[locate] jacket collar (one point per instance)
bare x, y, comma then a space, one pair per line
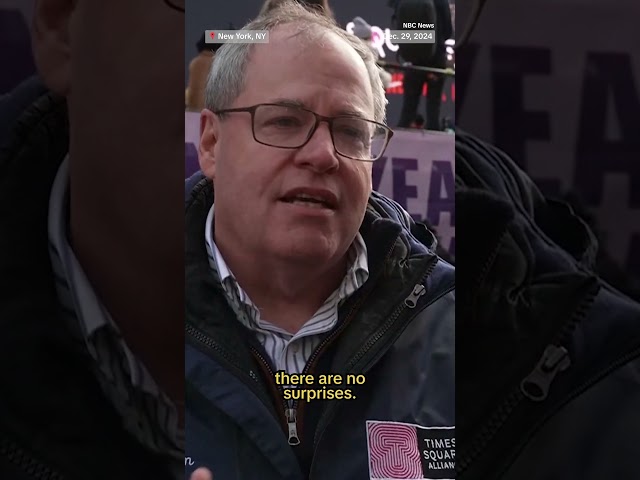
29, 161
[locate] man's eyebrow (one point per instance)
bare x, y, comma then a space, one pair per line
290, 102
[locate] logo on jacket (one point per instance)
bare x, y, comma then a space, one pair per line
407, 451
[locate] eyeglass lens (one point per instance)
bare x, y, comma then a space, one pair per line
283, 126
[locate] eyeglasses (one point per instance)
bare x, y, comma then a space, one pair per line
292, 127
176, 4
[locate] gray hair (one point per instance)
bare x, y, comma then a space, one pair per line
227, 75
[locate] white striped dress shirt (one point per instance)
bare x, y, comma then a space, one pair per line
147, 412
288, 352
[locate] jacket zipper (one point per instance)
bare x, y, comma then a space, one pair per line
292, 419
278, 392
26, 463
535, 386
210, 344
411, 301
289, 417
624, 359
293, 416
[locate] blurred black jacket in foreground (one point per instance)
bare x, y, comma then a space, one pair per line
548, 354
55, 421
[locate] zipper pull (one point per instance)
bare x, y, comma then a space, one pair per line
555, 359
290, 413
412, 300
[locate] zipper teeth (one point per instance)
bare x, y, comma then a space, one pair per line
279, 388
581, 312
348, 317
363, 350
588, 384
316, 353
310, 363
207, 342
500, 416
320, 348
312, 358
392, 319
26, 463
489, 430
204, 339
606, 371
490, 259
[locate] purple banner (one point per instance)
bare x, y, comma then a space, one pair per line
564, 104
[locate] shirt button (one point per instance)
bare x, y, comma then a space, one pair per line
294, 348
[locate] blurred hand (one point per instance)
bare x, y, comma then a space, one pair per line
201, 474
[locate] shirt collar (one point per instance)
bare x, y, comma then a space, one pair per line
73, 286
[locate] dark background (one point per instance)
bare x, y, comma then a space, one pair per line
15, 43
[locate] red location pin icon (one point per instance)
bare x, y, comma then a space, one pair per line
212, 35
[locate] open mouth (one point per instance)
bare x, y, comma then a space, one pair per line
308, 201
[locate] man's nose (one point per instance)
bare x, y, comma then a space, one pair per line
319, 153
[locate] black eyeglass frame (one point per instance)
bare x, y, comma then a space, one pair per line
319, 119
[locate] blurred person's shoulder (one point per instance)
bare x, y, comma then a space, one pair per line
50, 391
14, 103
578, 340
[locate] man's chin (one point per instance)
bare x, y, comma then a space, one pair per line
311, 248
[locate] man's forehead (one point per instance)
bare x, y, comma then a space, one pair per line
297, 39
294, 33
344, 108
295, 49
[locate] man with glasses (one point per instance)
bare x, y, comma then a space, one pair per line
293, 264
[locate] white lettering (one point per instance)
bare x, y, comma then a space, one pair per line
438, 443
441, 465
439, 454
188, 461
261, 36
391, 46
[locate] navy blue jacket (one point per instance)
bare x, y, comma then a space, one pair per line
397, 330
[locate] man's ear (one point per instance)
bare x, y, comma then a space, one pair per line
209, 132
52, 43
